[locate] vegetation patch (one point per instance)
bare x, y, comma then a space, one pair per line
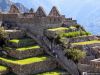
72, 27
75, 54
75, 34
24, 61
57, 29
50, 73
86, 42
28, 48
23, 48
20, 40
3, 68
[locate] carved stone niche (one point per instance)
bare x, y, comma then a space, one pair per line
14, 9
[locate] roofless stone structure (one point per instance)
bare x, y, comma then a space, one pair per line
54, 12
38, 44
14, 9
40, 12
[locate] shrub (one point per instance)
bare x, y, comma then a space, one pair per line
3, 34
75, 54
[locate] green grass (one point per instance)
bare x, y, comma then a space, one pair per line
24, 61
50, 73
23, 48
3, 68
75, 34
72, 27
57, 29
86, 42
20, 40
28, 48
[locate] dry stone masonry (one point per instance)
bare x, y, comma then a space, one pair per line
24, 55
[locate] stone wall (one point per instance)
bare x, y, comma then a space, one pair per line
34, 23
15, 34
87, 48
32, 68
83, 38
24, 54
22, 43
37, 25
3, 72
86, 60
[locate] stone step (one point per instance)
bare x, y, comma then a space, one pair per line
29, 66
54, 32
15, 34
54, 72
3, 70
24, 52
16, 43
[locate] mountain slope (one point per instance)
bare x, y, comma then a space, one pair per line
5, 6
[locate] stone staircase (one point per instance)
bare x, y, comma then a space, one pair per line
25, 57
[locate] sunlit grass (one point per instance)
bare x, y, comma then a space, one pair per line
75, 34
28, 48
23, 48
20, 40
57, 29
50, 73
3, 68
25, 61
86, 42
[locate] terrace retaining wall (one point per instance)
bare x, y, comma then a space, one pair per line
32, 68
25, 54
83, 38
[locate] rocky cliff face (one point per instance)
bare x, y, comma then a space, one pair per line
5, 6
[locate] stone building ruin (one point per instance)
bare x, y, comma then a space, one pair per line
31, 47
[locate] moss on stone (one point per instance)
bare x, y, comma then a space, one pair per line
86, 42
3, 68
24, 61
